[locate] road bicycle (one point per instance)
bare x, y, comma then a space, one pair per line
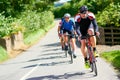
69, 51
90, 54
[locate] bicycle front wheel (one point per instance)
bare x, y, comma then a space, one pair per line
93, 67
70, 53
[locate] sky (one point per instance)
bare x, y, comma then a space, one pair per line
62, 1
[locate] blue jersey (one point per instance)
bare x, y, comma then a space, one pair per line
68, 25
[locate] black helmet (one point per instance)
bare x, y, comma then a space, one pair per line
83, 9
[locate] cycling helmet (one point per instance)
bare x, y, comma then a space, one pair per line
83, 9
67, 15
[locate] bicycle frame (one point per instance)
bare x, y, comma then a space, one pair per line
90, 50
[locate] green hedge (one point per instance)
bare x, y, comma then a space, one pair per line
110, 16
5, 25
33, 24
8, 26
32, 21
28, 21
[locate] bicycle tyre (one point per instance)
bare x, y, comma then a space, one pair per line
92, 61
94, 68
66, 52
71, 54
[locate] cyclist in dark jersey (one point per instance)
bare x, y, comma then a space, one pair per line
86, 24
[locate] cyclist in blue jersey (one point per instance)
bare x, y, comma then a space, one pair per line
68, 26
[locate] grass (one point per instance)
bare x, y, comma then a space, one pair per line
3, 54
35, 36
113, 57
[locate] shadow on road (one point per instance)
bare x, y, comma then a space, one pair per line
52, 45
49, 64
66, 76
46, 58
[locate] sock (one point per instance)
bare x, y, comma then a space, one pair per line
94, 48
85, 58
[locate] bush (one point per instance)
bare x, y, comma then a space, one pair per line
110, 16
9, 25
32, 21
5, 26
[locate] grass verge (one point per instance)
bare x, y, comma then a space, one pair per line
3, 54
35, 36
113, 57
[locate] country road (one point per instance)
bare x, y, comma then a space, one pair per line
46, 61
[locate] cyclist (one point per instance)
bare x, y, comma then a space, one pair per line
86, 24
68, 26
60, 35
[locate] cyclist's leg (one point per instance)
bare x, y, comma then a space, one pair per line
93, 38
72, 39
65, 39
84, 52
83, 48
62, 42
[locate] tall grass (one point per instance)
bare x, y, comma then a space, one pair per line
113, 57
3, 54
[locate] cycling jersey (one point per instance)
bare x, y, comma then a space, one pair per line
82, 25
67, 25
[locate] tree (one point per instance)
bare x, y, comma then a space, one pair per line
14, 7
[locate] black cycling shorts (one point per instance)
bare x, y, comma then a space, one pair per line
71, 33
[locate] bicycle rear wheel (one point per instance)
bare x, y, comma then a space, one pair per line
66, 52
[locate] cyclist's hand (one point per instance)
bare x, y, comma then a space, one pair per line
75, 32
59, 34
97, 34
79, 37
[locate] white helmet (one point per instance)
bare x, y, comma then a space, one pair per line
67, 15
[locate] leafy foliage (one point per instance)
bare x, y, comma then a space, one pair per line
5, 28
34, 21
14, 7
110, 16
107, 14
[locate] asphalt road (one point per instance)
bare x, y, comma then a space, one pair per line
46, 61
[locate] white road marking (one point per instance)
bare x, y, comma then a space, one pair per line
27, 74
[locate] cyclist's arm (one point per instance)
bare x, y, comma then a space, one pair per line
77, 20
78, 28
92, 18
95, 25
